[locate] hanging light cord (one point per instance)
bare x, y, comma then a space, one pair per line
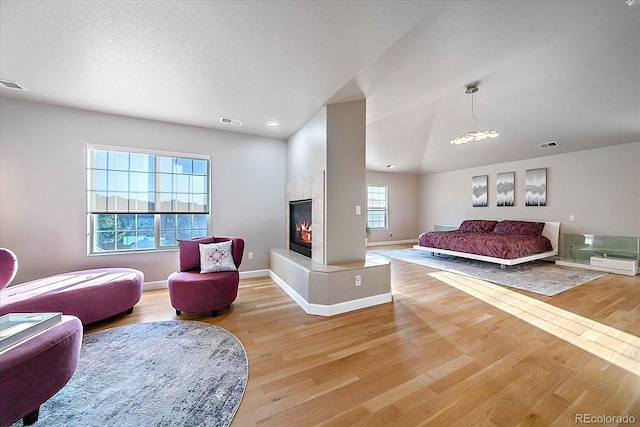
473, 112
473, 135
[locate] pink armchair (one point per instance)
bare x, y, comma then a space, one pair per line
8, 267
193, 291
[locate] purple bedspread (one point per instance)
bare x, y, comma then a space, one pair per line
506, 246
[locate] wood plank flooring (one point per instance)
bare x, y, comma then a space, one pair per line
436, 356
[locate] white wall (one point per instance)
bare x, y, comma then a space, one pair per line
307, 149
403, 206
600, 187
345, 181
334, 142
43, 186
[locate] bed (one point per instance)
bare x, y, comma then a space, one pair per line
507, 242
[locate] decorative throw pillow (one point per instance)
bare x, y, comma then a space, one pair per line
190, 252
521, 228
478, 225
216, 257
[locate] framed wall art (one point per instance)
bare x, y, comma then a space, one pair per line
479, 186
506, 189
535, 193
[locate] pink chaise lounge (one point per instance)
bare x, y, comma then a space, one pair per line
90, 295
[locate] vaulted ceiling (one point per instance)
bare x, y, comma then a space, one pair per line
565, 71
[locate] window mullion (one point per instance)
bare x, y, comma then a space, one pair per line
156, 230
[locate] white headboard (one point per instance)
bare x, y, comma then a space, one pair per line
551, 231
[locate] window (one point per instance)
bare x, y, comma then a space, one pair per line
377, 206
145, 200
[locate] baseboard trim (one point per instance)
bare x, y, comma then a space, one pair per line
159, 284
162, 284
309, 308
392, 242
334, 309
254, 273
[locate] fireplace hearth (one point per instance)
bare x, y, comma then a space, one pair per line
300, 232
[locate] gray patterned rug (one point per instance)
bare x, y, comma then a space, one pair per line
173, 373
541, 277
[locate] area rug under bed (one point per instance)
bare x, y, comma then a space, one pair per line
173, 373
541, 277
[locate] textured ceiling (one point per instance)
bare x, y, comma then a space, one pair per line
564, 70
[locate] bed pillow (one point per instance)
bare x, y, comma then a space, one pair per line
216, 257
190, 252
520, 228
478, 225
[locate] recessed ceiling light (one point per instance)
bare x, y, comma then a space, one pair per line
632, 2
230, 121
391, 166
273, 124
11, 85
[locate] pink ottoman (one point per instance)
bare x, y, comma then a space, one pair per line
36, 369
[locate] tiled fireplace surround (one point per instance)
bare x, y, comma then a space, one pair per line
311, 187
319, 288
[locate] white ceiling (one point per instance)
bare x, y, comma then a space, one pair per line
548, 70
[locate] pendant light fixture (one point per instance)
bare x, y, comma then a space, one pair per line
475, 135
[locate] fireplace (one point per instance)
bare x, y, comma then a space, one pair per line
300, 227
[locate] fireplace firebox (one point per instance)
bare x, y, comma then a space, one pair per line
300, 227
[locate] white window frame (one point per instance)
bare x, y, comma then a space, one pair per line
379, 209
157, 215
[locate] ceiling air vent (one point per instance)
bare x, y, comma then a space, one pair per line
549, 144
231, 121
11, 85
